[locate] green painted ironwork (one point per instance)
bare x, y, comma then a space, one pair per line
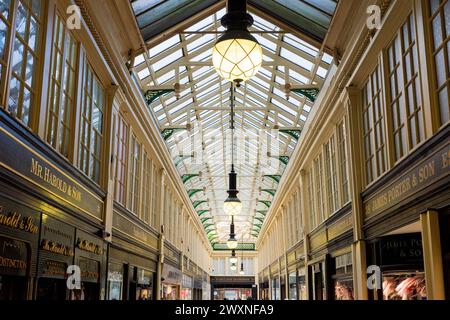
152, 95
209, 232
257, 226
259, 219
180, 158
274, 177
208, 225
202, 212
270, 191
293, 133
198, 203
310, 93
263, 212
203, 220
283, 159
240, 247
267, 203
186, 177
193, 191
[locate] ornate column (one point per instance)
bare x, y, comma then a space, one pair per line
432, 255
356, 171
161, 238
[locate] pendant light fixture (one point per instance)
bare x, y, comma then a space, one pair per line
237, 55
232, 205
233, 259
241, 272
233, 267
232, 242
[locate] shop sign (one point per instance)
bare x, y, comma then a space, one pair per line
25, 161
21, 221
13, 257
433, 168
171, 274
57, 237
51, 269
403, 249
89, 270
89, 246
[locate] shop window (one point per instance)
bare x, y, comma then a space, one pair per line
374, 134
405, 100
147, 192
343, 277
62, 88
440, 24
311, 202
24, 38
318, 186
342, 151
293, 286
330, 176
121, 154
135, 176
91, 125
115, 281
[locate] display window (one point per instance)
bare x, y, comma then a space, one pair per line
301, 284
170, 292
144, 285
232, 294
343, 277
404, 286
115, 281
293, 286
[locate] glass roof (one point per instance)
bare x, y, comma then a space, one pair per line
200, 117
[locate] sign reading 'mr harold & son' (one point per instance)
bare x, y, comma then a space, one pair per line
20, 158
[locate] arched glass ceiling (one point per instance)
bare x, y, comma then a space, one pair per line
203, 107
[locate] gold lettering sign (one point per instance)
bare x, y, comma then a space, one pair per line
89, 247
15, 220
46, 174
12, 263
57, 248
417, 178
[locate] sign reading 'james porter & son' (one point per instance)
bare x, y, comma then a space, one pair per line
426, 172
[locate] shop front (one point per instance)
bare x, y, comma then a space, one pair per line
264, 288
56, 254
302, 286
187, 288
90, 257
171, 281
400, 259
19, 232
233, 288
292, 280
342, 277
198, 287
130, 275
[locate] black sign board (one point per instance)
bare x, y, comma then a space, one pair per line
13, 257
401, 250
90, 270
21, 158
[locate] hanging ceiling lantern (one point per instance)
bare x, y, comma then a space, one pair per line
232, 205
232, 242
242, 269
233, 259
237, 55
233, 267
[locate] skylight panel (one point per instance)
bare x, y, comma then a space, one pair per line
257, 91
181, 106
301, 45
261, 82
269, 45
169, 43
162, 117
294, 58
297, 76
170, 100
321, 72
166, 77
202, 24
144, 74
157, 108
200, 71
204, 39
327, 58
264, 24
285, 119
138, 60
303, 118
211, 78
163, 62
280, 80
266, 72
205, 55
179, 118
307, 108
284, 108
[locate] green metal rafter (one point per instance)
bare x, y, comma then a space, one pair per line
180, 158
152, 95
263, 212
198, 203
270, 191
275, 177
310, 93
192, 192
267, 203
293, 133
202, 212
283, 159
203, 220
186, 177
